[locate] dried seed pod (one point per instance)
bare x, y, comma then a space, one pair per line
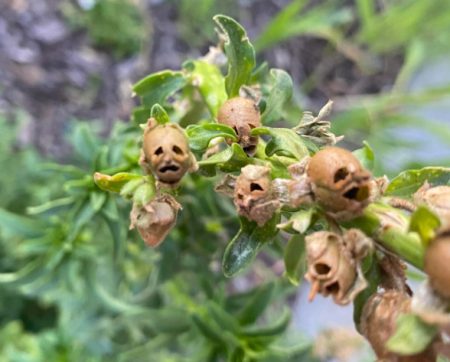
437, 199
437, 259
378, 324
339, 183
155, 219
333, 264
242, 115
166, 152
253, 194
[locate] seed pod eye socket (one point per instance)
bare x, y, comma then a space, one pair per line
340, 174
159, 151
322, 269
254, 186
177, 150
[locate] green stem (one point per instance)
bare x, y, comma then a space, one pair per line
388, 226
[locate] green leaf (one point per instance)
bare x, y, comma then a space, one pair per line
295, 259
84, 142
160, 114
130, 187
200, 135
412, 335
156, 87
222, 317
231, 159
97, 200
299, 222
408, 182
50, 205
424, 222
144, 193
210, 82
280, 93
114, 183
17, 225
243, 248
257, 304
273, 330
284, 142
140, 115
239, 51
366, 156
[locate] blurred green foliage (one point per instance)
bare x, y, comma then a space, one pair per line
75, 285
116, 26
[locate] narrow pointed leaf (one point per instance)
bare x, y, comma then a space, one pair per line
280, 93
201, 135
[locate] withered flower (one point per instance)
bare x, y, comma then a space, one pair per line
437, 199
437, 259
339, 183
166, 152
253, 194
378, 324
241, 114
155, 219
334, 264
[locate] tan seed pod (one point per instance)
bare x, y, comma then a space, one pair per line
242, 115
437, 199
437, 260
339, 182
253, 194
166, 152
155, 220
331, 271
378, 324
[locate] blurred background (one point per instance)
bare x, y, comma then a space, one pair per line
66, 71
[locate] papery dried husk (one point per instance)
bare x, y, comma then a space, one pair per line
241, 114
378, 324
155, 219
253, 194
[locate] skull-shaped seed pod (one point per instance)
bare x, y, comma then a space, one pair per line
253, 194
331, 271
166, 152
334, 264
339, 182
241, 114
378, 324
437, 199
155, 219
437, 259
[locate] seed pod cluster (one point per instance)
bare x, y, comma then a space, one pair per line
241, 114
437, 260
155, 219
339, 183
333, 264
253, 194
166, 153
437, 199
378, 324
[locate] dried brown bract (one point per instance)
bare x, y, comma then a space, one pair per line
339, 183
242, 115
437, 260
437, 199
334, 264
165, 152
253, 194
295, 191
378, 324
155, 219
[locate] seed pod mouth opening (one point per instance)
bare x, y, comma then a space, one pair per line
169, 168
361, 193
